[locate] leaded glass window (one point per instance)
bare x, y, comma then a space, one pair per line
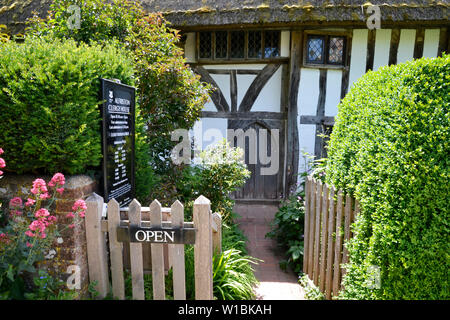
325, 49
237, 44
336, 50
254, 44
205, 45
271, 44
315, 50
221, 44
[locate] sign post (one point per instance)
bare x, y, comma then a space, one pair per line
118, 115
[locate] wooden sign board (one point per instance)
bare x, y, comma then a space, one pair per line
118, 115
156, 235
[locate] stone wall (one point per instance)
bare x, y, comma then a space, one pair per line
70, 247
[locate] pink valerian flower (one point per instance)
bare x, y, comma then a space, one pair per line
29, 233
44, 196
60, 190
57, 180
42, 213
71, 226
2, 163
4, 238
51, 219
15, 213
80, 207
30, 202
15, 202
70, 215
39, 186
29, 245
37, 225
1, 151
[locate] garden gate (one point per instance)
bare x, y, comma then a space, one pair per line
204, 232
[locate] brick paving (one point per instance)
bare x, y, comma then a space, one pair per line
275, 284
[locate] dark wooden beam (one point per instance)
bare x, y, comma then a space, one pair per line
370, 50
257, 85
418, 46
346, 69
292, 147
317, 120
320, 112
244, 115
443, 41
216, 96
233, 90
238, 71
393, 49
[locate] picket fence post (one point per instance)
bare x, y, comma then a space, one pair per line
203, 249
96, 248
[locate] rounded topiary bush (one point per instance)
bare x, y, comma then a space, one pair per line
390, 149
49, 97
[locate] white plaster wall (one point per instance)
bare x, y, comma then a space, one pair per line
382, 46
208, 131
307, 138
431, 43
358, 54
223, 82
270, 96
308, 92
333, 96
405, 50
189, 47
285, 43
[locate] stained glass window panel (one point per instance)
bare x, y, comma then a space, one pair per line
336, 50
254, 44
221, 44
315, 50
237, 44
271, 44
205, 45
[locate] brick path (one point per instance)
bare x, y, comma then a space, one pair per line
275, 284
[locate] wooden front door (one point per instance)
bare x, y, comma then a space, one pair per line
264, 156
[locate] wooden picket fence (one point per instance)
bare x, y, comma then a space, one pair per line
327, 227
114, 233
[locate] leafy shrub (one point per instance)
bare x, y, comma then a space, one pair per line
390, 149
219, 172
49, 102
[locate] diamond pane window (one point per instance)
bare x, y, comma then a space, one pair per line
237, 44
205, 45
221, 44
271, 44
315, 50
336, 50
254, 44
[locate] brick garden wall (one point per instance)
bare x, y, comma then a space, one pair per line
71, 246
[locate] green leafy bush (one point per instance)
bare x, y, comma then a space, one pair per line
219, 172
49, 102
390, 149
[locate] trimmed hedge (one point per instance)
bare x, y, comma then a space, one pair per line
49, 102
390, 148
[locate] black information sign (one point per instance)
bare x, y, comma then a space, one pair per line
118, 112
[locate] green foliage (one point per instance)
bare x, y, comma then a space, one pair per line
233, 278
99, 20
50, 288
390, 149
49, 101
219, 172
170, 94
311, 291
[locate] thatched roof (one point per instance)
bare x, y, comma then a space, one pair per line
192, 13
187, 14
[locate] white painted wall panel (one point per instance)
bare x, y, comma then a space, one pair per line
431, 43
243, 83
307, 138
285, 43
358, 54
333, 97
406, 45
189, 47
308, 93
270, 96
382, 45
